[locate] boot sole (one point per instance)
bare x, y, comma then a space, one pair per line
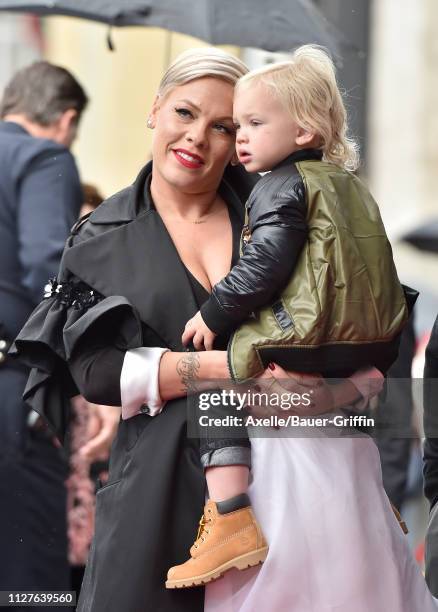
241, 563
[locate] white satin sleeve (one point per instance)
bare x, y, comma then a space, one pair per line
139, 387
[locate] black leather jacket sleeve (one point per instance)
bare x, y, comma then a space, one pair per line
430, 401
277, 213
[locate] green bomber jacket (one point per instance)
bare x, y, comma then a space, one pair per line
343, 307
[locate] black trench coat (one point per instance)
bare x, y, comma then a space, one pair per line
148, 511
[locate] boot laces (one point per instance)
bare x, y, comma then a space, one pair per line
202, 527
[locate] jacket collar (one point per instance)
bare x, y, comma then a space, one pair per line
301, 155
128, 204
10, 127
138, 259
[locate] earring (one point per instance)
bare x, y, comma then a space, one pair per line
149, 123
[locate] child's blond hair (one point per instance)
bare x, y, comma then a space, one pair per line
307, 86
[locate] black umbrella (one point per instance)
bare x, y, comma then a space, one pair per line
424, 237
273, 25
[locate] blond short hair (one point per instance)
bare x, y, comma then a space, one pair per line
307, 86
199, 63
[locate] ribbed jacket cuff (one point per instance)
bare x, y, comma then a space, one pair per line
215, 317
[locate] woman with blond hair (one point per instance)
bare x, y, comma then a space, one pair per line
132, 274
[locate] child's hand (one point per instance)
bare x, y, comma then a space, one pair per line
202, 336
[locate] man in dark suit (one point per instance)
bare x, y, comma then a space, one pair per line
40, 198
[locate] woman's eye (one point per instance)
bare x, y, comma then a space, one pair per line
225, 129
183, 112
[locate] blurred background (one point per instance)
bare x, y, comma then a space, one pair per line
389, 73
388, 67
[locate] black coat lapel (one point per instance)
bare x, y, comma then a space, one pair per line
137, 258
139, 261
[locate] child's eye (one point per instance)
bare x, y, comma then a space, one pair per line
184, 112
255, 122
237, 126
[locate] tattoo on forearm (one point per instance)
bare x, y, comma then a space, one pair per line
188, 370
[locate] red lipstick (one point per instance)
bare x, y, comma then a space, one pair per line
188, 159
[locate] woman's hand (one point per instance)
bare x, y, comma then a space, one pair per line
296, 393
197, 330
102, 428
318, 397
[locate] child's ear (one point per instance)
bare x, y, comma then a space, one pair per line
305, 137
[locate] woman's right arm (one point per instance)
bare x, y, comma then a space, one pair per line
181, 373
114, 377
108, 375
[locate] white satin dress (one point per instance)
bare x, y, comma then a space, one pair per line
334, 542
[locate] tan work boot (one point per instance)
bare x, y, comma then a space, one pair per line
224, 541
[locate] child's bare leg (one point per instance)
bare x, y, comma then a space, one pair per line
226, 481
